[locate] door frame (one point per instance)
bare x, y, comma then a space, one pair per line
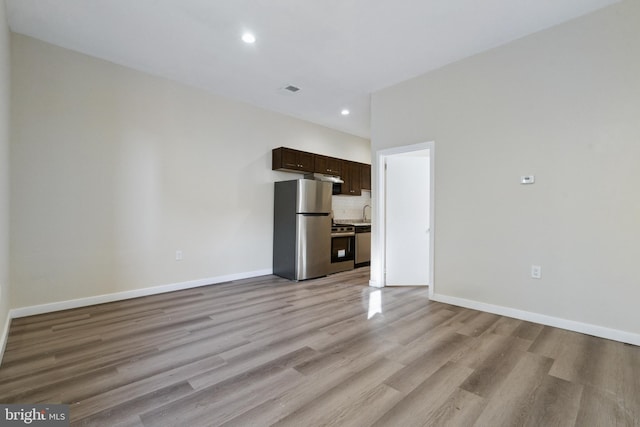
378, 273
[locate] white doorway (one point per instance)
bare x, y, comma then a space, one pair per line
405, 212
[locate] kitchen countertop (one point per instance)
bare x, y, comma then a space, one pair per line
354, 222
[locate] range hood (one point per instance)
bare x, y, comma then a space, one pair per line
323, 177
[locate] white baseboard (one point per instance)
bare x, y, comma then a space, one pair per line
5, 335
375, 284
118, 296
571, 325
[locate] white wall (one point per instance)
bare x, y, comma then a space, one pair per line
564, 105
114, 170
4, 173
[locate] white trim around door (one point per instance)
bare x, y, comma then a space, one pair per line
378, 265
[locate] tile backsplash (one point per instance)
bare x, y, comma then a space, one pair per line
350, 207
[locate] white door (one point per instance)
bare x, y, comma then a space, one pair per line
407, 220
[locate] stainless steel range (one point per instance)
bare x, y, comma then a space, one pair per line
343, 247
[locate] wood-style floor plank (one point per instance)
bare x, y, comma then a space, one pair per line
267, 351
424, 401
359, 401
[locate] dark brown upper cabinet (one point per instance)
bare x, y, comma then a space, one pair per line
356, 176
328, 165
352, 177
365, 176
292, 160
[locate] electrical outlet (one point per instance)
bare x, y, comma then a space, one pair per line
178, 255
536, 272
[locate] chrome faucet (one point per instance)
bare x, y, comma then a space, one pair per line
364, 215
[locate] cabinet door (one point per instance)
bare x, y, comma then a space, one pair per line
328, 165
352, 177
335, 166
306, 161
292, 160
365, 177
356, 177
321, 164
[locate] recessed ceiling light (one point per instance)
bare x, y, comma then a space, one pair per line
345, 112
248, 38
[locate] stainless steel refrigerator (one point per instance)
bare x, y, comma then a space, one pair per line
302, 229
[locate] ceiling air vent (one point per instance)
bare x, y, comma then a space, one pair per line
289, 89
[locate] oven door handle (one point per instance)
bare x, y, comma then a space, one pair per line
348, 234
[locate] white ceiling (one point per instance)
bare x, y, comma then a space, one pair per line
337, 51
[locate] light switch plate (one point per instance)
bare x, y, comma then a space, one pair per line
536, 272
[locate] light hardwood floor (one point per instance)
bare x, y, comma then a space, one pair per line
268, 351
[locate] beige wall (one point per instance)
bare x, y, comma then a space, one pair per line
114, 170
4, 171
563, 105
